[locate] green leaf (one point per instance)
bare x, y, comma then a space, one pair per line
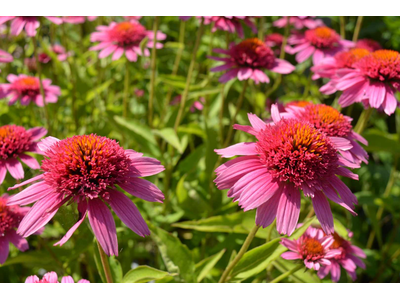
138, 128
381, 141
256, 260
206, 265
169, 135
176, 256
144, 274
116, 269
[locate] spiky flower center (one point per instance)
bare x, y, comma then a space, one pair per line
86, 165
10, 217
128, 34
295, 151
14, 140
253, 53
322, 37
327, 119
381, 65
312, 249
298, 103
27, 86
349, 58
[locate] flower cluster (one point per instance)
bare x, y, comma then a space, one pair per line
51, 277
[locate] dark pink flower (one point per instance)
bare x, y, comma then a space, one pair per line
86, 170
230, 24
51, 277
31, 24
248, 60
319, 43
274, 41
313, 248
5, 57
59, 50
299, 22
368, 44
124, 37
289, 156
15, 142
77, 20
27, 88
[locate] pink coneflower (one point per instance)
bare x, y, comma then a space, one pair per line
376, 77
274, 41
15, 142
299, 22
124, 37
10, 217
319, 43
248, 60
86, 170
77, 20
368, 44
290, 156
51, 277
197, 105
313, 247
27, 88
334, 124
59, 50
29, 23
5, 57
139, 93
349, 258
230, 24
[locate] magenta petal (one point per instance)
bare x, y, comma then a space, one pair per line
46, 143
143, 189
288, 210
29, 161
37, 132
51, 277
4, 249
128, 212
3, 172
145, 166
17, 240
291, 255
266, 213
282, 66
31, 194
15, 168
32, 279
256, 122
67, 279
103, 225
36, 178
323, 212
238, 149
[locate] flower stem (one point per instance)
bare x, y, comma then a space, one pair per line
39, 69
358, 28
189, 76
105, 263
342, 27
153, 71
242, 251
363, 121
126, 91
287, 274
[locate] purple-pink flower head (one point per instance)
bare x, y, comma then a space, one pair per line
313, 247
299, 22
15, 141
51, 277
290, 156
5, 57
27, 89
248, 60
30, 24
230, 24
87, 170
375, 77
368, 44
335, 125
124, 37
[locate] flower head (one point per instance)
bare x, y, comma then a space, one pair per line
59, 50
289, 156
230, 24
15, 141
249, 59
313, 247
27, 89
124, 37
5, 57
10, 217
320, 42
87, 170
375, 77
77, 19
274, 41
31, 24
51, 277
368, 44
299, 22
197, 105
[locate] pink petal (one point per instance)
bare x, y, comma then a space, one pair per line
266, 213
145, 166
291, 255
244, 73
288, 210
143, 189
51, 277
376, 94
29, 161
36, 178
238, 149
46, 143
32, 279
15, 168
282, 66
67, 279
4, 249
323, 212
276, 117
256, 122
17, 240
37, 132
3, 172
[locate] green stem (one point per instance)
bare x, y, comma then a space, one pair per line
287, 274
363, 121
242, 251
105, 263
358, 28
189, 76
261, 28
342, 27
153, 72
221, 113
126, 91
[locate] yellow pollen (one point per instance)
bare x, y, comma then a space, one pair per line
386, 56
30, 81
313, 247
252, 43
124, 26
324, 32
359, 53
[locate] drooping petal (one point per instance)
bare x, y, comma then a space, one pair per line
288, 210
238, 149
266, 213
145, 166
143, 189
4, 249
29, 161
323, 212
17, 240
15, 168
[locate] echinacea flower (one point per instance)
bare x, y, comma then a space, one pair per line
349, 258
230, 24
31, 24
27, 88
15, 142
125, 37
197, 105
320, 42
368, 44
86, 170
299, 22
77, 19
59, 50
375, 77
10, 217
248, 60
274, 41
5, 57
51, 277
313, 248
289, 156
334, 124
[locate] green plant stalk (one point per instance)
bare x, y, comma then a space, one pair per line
287, 274
189, 76
105, 263
39, 70
126, 91
342, 27
261, 28
153, 72
242, 251
358, 28
363, 121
